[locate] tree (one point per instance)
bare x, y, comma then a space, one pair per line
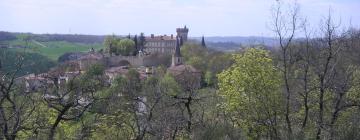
217, 62
137, 48
31, 62
285, 24
16, 106
250, 88
203, 42
120, 46
109, 43
142, 41
70, 101
125, 47
195, 55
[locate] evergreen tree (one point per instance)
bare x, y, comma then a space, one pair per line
203, 42
136, 45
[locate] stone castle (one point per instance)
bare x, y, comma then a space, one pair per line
119, 65
165, 43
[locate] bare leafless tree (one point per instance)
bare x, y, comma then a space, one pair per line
285, 24
326, 66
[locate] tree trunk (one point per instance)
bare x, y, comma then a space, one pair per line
334, 115
321, 111
287, 87
57, 121
187, 105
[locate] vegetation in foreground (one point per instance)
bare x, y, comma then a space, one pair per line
304, 89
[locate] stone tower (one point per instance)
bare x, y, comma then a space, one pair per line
177, 58
183, 33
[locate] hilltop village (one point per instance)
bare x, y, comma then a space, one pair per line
293, 74
143, 61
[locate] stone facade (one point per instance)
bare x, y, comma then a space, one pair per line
165, 43
183, 33
115, 61
162, 44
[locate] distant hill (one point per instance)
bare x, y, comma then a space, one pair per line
251, 40
233, 43
221, 43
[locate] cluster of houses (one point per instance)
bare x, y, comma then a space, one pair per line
119, 65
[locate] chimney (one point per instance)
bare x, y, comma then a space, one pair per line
152, 35
172, 36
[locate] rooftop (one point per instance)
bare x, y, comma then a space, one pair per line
179, 69
159, 38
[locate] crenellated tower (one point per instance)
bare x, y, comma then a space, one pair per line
183, 33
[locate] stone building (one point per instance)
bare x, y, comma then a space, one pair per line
186, 75
165, 43
33, 82
182, 33
90, 59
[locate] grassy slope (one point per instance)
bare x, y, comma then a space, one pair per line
55, 49
58, 48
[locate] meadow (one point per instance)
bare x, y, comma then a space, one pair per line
51, 49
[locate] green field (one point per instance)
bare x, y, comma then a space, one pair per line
53, 49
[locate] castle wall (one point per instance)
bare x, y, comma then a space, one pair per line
135, 61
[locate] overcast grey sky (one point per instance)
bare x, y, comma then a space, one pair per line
203, 17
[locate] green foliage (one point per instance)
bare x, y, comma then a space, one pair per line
195, 55
354, 92
209, 78
51, 49
38, 120
242, 99
209, 62
169, 86
55, 49
30, 62
109, 43
125, 47
251, 90
189, 50
117, 46
219, 132
134, 82
96, 70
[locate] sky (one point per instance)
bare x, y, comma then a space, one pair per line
202, 17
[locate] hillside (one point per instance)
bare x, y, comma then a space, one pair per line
59, 44
244, 40
52, 46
